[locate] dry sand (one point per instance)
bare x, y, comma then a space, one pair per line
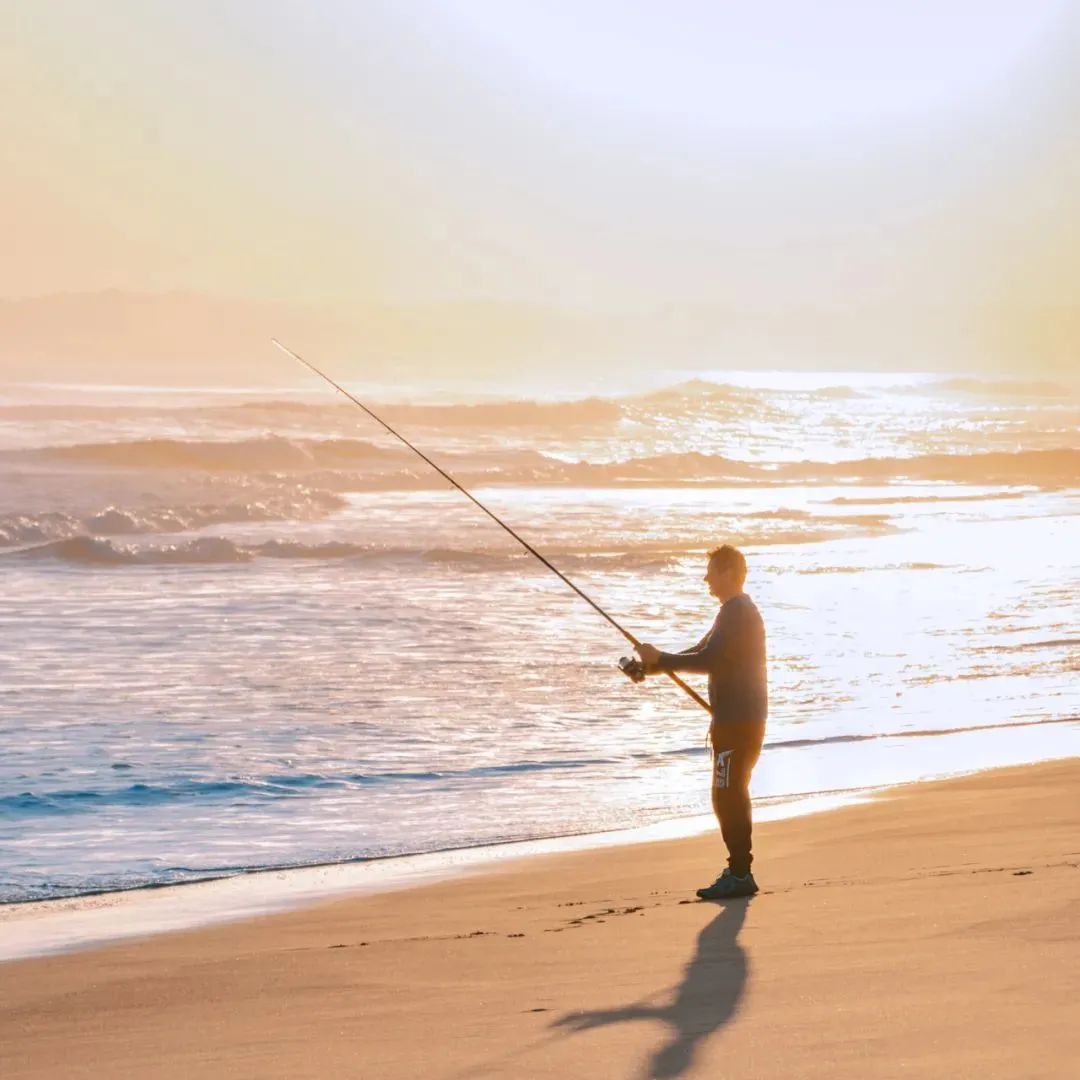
934, 932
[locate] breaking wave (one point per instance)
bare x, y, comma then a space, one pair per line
272, 786
97, 551
514, 412
277, 454
268, 453
93, 551
299, 505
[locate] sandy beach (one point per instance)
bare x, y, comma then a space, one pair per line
931, 932
387, 389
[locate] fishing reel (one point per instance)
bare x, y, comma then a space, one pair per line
632, 668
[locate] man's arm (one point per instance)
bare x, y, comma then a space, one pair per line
700, 658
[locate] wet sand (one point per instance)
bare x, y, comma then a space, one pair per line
932, 932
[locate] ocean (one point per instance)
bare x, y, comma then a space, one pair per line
247, 629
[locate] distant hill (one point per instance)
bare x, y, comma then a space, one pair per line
189, 338
192, 338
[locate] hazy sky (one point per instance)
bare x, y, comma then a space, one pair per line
592, 155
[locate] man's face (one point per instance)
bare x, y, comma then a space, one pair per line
718, 580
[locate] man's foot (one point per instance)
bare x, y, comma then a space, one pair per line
728, 886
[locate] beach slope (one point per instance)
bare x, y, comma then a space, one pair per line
934, 931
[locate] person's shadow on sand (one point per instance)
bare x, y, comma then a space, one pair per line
705, 1000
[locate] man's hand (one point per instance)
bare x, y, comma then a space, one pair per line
650, 655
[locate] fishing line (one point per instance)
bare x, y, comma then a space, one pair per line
494, 517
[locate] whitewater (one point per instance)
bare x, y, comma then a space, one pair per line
247, 630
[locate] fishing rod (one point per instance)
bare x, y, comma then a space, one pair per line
629, 668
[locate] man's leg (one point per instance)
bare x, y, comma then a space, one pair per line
736, 748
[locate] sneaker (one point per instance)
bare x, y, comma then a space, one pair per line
728, 886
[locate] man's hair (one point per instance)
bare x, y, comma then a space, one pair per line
730, 558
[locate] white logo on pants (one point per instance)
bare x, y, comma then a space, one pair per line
722, 769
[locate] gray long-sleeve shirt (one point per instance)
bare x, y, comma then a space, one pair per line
732, 653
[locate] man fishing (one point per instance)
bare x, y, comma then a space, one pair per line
732, 653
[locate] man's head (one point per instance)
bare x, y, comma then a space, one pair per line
726, 572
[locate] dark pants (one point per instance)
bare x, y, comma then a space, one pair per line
736, 746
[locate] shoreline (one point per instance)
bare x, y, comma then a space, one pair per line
929, 931
980, 754
32, 929
38, 928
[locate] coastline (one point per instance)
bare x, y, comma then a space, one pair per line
94, 919
37, 928
930, 929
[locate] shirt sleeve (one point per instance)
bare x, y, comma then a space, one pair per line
694, 648
703, 657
